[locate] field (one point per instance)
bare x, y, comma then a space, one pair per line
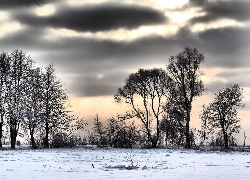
94, 163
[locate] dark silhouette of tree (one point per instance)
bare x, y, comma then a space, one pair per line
30, 99
33, 103
20, 64
146, 92
221, 114
4, 72
121, 135
54, 101
174, 122
244, 140
100, 132
173, 131
71, 130
184, 69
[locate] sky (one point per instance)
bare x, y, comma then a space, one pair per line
95, 44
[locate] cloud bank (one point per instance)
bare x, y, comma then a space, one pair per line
98, 67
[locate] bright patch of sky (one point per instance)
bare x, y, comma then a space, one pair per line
45, 10
9, 27
3, 16
217, 24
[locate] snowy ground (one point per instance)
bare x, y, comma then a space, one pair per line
114, 164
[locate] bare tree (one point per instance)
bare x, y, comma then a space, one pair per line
100, 132
173, 131
244, 140
146, 92
54, 103
184, 69
221, 114
4, 72
33, 103
120, 134
30, 98
174, 122
20, 64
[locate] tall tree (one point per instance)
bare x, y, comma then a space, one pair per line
146, 92
15, 93
184, 69
4, 72
33, 103
54, 105
221, 114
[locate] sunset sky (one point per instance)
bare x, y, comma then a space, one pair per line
95, 44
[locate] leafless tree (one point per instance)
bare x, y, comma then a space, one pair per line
184, 69
54, 103
146, 92
244, 140
33, 103
100, 132
4, 72
20, 64
221, 114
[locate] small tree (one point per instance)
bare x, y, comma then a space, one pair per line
184, 68
74, 129
221, 114
100, 132
146, 92
121, 135
245, 137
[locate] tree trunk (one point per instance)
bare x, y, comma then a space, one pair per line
226, 140
46, 140
154, 142
32, 139
13, 135
33, 143
1, 133
187, 133
188, 144
166, 138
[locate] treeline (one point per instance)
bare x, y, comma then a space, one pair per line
32, 101
162, 102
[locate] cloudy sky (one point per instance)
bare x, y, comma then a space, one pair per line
95, 44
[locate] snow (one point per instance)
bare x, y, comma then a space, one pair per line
94, 163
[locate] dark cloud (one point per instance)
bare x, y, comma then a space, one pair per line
233, 76
87, 58
21, 3
197, 2
236, 77
228, 47
94, 18
237, 10
93, 84
214, 87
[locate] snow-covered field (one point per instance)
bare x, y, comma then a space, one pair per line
102, 164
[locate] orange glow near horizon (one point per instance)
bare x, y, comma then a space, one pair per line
106, 107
